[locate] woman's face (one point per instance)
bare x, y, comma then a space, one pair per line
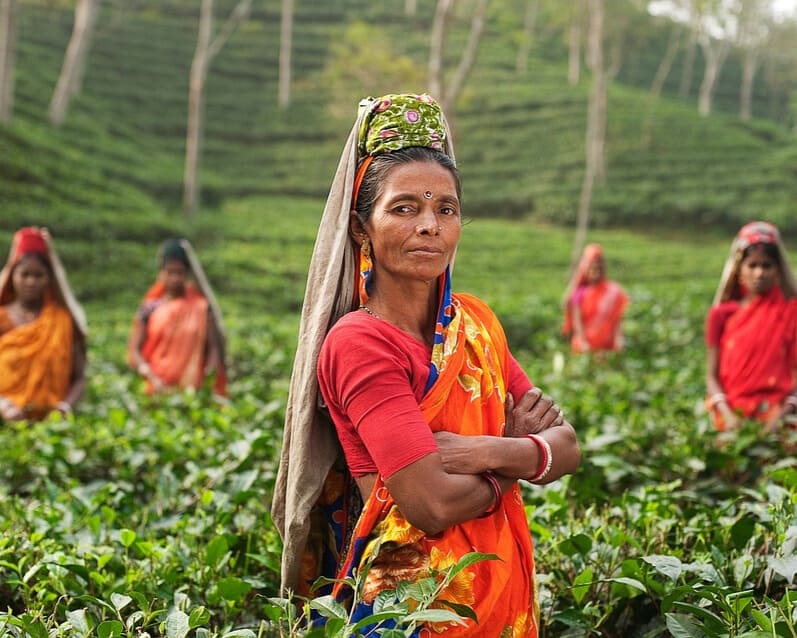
30, 279
596, 270
174, 274
415, 225
758, 272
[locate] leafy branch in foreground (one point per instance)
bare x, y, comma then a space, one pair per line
396, 612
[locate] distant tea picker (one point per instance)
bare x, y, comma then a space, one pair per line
42, 332
594, 306
751, 333
177, 339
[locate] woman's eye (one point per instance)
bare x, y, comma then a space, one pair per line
448, 210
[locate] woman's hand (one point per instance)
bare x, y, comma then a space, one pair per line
145, 371
9, 411
533, 413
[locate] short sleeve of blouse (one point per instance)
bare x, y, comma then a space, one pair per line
371, 386
715, 322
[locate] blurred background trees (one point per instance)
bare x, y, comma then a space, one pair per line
698, 126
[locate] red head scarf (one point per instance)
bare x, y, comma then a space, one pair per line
29, 241
757, 232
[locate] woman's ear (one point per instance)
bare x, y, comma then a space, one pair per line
356, 228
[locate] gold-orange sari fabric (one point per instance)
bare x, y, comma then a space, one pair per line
467, 398
176, 336
36, 361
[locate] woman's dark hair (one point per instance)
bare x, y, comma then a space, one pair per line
40, 257
172, 250
381, 165
770, 250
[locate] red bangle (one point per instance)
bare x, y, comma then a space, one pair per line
546, 457
497, 493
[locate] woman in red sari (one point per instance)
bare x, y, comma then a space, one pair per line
436, 420
594, 306
751, 333
42, 332
177, 339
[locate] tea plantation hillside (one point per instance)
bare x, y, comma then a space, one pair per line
519, 138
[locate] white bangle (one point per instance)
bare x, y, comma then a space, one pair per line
547, 459
716, 399
63, 406
144, 369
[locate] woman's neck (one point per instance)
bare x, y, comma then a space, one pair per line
34, 306
412, 308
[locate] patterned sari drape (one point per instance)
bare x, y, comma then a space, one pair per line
467, 398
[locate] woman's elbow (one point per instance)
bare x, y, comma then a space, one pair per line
571, 451
431, 518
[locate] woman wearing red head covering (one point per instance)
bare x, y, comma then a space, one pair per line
177, 338
594, 306
751, 333
42, 332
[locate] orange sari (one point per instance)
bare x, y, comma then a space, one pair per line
36, 361
601, 307
175, 345
467, 398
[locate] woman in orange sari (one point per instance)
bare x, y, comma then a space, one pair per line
42, 332
594, 306
436, 420
751, 333
177, 339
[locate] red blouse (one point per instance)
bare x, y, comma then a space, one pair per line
372, 376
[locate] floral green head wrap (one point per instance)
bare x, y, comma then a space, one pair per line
397, 121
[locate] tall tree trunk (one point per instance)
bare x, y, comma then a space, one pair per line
196, 103
596, 126
714, 52
8, 36
441, 17
574, 51
658, 82
410, 7
749, 68
527, 37
71, 78
207, 48
685, 85
286, 36
468, 57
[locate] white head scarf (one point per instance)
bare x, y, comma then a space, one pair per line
753, 233
310, 445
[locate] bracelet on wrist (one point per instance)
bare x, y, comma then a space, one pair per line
546, 458
715, 399
63, 406
144, 369
497, 493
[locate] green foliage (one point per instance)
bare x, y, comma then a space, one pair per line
363, 63
153, 515
519, 138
